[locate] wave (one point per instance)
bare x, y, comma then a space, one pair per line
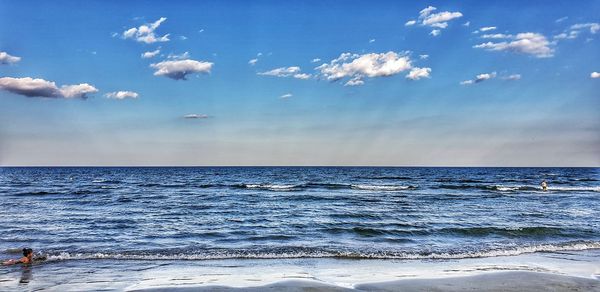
269, 187
37, 193
515, 188
536, 231
382, 187
297, 187
302, 252
385, 177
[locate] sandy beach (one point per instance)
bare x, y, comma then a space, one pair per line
499, 281
557, 271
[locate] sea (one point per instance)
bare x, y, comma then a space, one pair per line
196, 214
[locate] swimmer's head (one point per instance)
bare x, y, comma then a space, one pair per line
27, 252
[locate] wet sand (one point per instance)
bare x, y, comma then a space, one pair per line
497, 281
558, 271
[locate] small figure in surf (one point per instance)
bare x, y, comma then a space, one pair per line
544, 185
26, 259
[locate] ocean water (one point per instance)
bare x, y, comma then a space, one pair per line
212, 213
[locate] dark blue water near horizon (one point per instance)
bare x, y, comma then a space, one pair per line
198, 213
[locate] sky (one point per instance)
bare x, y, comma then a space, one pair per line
381, 83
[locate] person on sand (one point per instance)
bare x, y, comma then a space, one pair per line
544, 186
26, 259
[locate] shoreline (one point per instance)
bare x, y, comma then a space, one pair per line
492, 281
566, 271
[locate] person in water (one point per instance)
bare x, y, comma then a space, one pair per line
544, 185
26, 259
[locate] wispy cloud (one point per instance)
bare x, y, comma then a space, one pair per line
195, 116
282, 71
439, 20
37, 87
577, 29
315, 60
487, 28
525, 43
122, 95
302, 76
418, 73
179, 69
561, 19
594, 27
357, 67
145, 33
253, 62
286, 96
150, 54
182, 56
7, 59
479, 78
497, 36
512, 77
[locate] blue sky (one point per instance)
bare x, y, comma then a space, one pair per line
303, 83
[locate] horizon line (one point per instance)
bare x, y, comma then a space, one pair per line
296, 166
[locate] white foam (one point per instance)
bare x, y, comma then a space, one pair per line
511, 251
272, 187
380, 187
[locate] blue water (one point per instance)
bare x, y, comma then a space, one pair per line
286, 212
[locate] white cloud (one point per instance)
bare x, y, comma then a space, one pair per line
426, 11
567, 36
512, 77
179, 69
5, 58
468, 23
423, 57
183, 56
150, 54
253, 62
354, 82
487, 28
145, 33
576, 29
195, 116
182, 37
41, 88
121, 95
436, 20
302, 76
595, 75
561, 19
479, 78
418, 73
496, 36
526, 43
287, 95
315, 60
371, 41
282, 71
594, 27
357, 67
